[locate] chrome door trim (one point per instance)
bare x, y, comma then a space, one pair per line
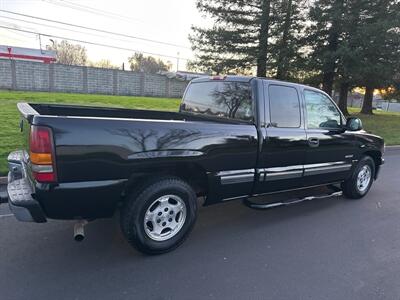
278, 173
281, 173
297, 171
236, 176
283, 169
328, 164
324, 168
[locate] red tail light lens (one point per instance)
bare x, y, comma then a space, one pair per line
40, 140
42, 154
44, 177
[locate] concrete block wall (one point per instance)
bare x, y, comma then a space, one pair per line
32, 77
67, 79
35, 76
100, 81
5, 74
155, 85
130, 83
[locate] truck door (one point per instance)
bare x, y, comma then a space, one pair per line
330, 151
284, 142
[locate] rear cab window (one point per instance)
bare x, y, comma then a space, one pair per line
221, 99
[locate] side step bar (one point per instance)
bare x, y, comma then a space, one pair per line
336, 192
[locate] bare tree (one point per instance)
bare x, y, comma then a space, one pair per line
68, 53
148, 64
102, 63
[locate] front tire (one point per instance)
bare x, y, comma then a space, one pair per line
159, 216
360, 181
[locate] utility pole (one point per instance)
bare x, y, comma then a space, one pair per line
177, 62
40, 43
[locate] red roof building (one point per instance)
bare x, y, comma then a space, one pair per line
19, 53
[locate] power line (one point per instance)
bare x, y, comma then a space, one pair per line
14, 38
58, 27
97, 11
81, 9
92, 10
95, 29
91, 43
26, 36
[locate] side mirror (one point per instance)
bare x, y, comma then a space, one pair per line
354, 124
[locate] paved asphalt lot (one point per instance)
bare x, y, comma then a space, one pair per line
326, 249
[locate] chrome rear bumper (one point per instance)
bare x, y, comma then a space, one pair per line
20, 192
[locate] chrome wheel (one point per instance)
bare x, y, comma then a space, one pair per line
165, 217
364, 178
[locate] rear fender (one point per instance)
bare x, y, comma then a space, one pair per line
192, 173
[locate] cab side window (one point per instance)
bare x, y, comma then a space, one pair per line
321, 112
284, 106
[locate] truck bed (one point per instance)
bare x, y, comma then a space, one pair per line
124, 113
103, 150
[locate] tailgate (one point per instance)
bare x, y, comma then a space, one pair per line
15, 158
20, 188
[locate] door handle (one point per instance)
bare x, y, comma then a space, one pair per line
313, 142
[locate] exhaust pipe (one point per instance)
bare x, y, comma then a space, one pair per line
79, 230
3, 195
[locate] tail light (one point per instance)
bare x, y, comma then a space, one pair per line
41, 154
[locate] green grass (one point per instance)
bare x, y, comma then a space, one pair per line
381, 123
385, 124
9, 115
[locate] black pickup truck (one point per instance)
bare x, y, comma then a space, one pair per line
233, 138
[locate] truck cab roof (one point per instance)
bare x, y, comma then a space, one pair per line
240, 78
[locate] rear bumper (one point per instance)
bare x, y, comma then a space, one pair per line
24, 207
35, 202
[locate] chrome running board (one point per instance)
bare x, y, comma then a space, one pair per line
336, 192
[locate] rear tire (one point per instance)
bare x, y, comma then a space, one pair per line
159, 215
360, 181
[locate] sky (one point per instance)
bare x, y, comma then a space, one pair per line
167, 21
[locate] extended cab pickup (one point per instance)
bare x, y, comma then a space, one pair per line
233, 138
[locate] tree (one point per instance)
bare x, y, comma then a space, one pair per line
323, 36
354, 43
148, 64
68, 53
391, 92
287, 27
238, 39
348, 53
261, 34
102, 63
379, 44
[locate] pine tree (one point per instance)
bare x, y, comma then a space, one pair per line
348, 52
287, 31
238, 39
323, 37
354, 43
379, 47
